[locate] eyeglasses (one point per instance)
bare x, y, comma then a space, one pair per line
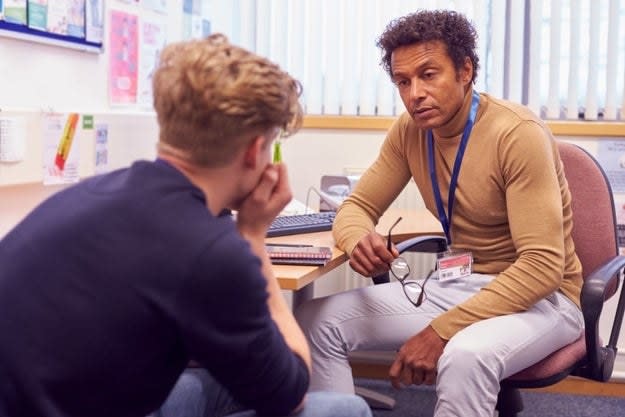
414, 291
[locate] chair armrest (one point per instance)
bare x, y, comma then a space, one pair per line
426, 243
600, 285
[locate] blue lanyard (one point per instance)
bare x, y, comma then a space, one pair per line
445, 219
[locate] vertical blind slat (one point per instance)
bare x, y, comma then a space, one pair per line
351, 55
553, 98
370, 59
480, 21
277, 32
384, 99
591, 111
330, 33
572, 106
612, 61
313, 50
263, 16
497, 39
533, 94
516, 50
245, 11
296, 40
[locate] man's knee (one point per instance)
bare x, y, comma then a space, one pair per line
322, 403
464, 360
318, 326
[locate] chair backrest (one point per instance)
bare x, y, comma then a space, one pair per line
594, 220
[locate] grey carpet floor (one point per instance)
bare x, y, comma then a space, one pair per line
419, 402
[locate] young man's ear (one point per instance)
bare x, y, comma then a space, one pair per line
252, 151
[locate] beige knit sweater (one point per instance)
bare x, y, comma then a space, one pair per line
512, 206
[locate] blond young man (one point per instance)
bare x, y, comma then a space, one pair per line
111, 287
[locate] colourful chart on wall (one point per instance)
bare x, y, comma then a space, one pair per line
61, 149
123, 58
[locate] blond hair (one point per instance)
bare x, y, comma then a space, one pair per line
212, 98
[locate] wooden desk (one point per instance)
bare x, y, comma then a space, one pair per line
298, 278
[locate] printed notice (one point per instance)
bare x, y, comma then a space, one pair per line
101, 149
12, 139
611, 156
153, 41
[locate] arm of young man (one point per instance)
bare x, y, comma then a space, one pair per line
267, 200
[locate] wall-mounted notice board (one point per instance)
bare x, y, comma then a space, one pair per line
76, 24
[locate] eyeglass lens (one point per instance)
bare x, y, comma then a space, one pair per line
400, 269
414, 292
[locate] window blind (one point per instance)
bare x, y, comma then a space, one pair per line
563, 58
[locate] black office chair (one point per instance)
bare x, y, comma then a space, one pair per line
594, 234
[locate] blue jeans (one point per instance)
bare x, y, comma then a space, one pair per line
198, 394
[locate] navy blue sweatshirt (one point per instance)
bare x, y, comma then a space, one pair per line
110, 287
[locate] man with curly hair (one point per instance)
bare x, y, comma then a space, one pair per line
110, 288
506, 293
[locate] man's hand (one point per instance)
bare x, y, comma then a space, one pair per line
417, 360
265, 202
370, 256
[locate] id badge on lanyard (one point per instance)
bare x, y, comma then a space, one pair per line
452, 264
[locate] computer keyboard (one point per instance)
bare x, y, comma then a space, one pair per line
301, 223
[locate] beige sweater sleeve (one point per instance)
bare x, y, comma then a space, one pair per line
374, 192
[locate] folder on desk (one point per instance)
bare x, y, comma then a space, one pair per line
299, 255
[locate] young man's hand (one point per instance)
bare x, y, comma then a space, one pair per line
265, 202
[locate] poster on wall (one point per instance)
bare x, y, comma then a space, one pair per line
15, 11
94, 20
153, 40
57, 16
61, 151
38, 14
76, 18
123, 58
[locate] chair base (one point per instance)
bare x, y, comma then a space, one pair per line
509, 402
375, 399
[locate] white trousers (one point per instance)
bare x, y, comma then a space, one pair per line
474, 361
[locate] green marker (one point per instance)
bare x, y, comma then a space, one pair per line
277, 151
